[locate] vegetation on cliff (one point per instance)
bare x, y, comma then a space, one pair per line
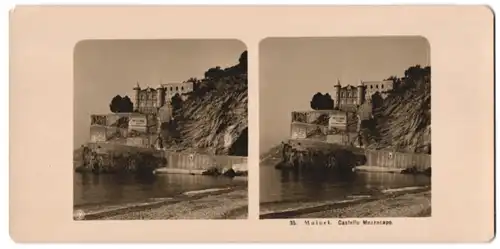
214, 114
402, 121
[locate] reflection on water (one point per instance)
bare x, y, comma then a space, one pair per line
112, 189
279, 185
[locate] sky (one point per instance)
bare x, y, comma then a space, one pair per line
106, 68
292, 70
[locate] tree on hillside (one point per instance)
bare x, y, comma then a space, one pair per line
327, 101
322, 102
119, 104
127, 105
214, 73
115, 104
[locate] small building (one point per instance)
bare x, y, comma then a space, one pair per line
139, 123
338, 120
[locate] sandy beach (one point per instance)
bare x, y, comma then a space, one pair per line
227, 203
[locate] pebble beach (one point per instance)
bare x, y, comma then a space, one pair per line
230, 203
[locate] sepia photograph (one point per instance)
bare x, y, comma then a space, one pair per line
160, 130
345, 127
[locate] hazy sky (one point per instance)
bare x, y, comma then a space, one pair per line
292, 70
106, 68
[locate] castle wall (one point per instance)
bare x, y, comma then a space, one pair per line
331, 126
148, 100
347, 138
371, 87
195, 161
142, 141
138, 123
312, 131
98, 133
314, 117
171, 89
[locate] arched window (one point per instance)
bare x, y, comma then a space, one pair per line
382, 86
377, 86
182, 88
371, 86
177, 88
170, 88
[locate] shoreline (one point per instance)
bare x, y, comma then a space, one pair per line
214, 203
403, 202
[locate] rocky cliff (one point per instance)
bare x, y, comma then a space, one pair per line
214, 117
402, 121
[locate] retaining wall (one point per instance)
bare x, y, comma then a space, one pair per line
397, 160
193, 161
179, 160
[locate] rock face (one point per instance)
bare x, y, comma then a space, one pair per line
402, 121
228, 172
102, 161
310, 158
213, 118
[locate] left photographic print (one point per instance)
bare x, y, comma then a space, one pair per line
160, 130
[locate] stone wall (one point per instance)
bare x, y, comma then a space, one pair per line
195, 161
98, 133
397, 160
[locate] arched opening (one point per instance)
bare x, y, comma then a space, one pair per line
240, 146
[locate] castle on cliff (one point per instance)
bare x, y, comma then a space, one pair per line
150, 100
350, 97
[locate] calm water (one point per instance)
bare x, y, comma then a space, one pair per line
278, 185
92, 189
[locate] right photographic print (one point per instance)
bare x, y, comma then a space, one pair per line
345, 127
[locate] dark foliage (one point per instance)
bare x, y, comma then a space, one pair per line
120, 105
322, 102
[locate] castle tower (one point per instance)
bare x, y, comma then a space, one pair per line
160, 98
337, 95
361, 93
137, 90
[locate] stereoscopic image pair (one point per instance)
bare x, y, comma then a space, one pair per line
161, 128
